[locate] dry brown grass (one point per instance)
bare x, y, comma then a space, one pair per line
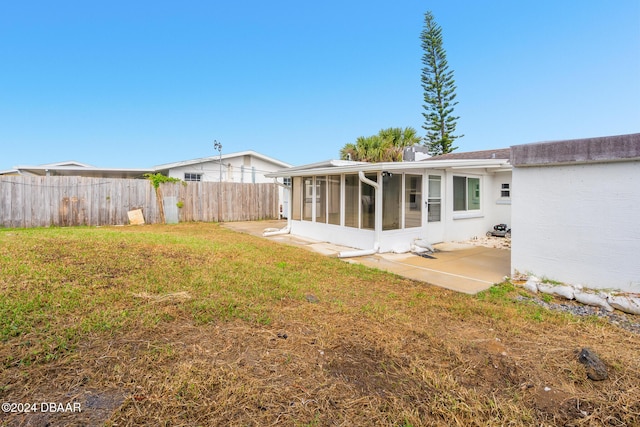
197, 325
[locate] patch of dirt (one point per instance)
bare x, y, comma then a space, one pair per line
366, 370
170, 297
78, 407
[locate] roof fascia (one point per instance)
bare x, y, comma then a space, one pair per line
80, 169
391, 166
216, 159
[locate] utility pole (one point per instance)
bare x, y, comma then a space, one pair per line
218, 146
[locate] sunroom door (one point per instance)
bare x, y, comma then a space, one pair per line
435, 226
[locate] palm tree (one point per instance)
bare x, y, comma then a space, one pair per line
396, 139
387, 146
348, 152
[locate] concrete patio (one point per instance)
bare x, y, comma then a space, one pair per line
459, 267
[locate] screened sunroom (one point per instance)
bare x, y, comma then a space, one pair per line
388, 206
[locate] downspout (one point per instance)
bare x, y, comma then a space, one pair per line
287, 229
377, 225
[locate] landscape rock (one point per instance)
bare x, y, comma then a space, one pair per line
312, 299
596, 369
626, 303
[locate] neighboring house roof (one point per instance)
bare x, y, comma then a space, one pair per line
252, 153
70, 163
86, 170
73, 168
499, 153
41, 169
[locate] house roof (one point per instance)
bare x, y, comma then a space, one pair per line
74, 168
252, 153
70, 163
499, 153
326, 164
604, 149
341, 166
86, 170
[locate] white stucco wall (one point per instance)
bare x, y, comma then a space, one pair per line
247, 169
578, 224
209, 170
500, 207
346, 236
493, 208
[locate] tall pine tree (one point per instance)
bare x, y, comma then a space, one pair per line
439, 91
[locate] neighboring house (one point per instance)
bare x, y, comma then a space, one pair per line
72, 168
243, 167
576, 211
387, 206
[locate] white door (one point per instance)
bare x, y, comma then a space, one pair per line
435, 214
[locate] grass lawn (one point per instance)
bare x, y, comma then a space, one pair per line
194, 324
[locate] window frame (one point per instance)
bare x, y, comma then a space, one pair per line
192, 177
505, 190
466, 212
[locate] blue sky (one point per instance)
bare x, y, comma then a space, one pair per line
141, 83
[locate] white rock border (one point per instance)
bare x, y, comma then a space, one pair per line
625, 302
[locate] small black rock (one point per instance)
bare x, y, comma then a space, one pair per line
312, 299
596, 370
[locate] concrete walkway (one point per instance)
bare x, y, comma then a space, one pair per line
459, 267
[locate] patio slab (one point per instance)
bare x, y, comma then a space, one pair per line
459, 267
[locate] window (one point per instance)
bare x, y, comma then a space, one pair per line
466, 193
413, 201
434, 208
391, 190
308, 198
321, 199
296, 195
333, 199
506, 190
351, 200
193, 177
368, 202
